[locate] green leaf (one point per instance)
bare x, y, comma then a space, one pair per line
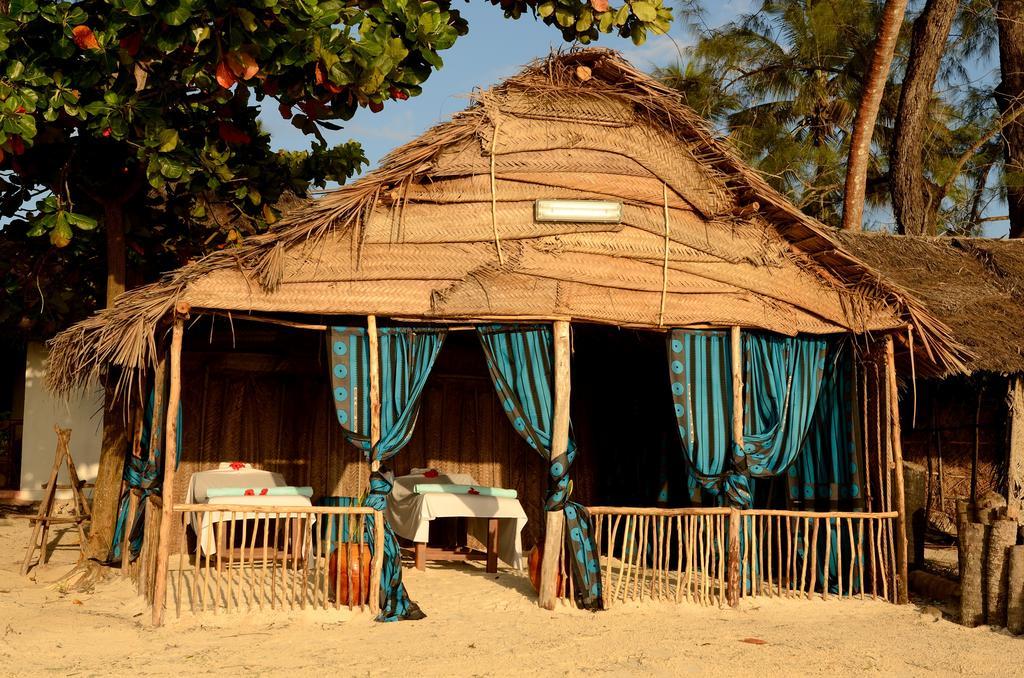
168, 140
564, 17
179, 14
14, 69
644, 11
247, 18
545, 9
82, 221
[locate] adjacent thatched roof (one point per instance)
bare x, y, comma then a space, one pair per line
974, 285
445, 230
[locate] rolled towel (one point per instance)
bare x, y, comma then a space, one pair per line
428, 488
284, 491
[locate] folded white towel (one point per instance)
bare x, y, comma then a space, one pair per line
238, 465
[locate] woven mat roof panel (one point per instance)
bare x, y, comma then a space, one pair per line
445, 228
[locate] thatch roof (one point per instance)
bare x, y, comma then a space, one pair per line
445, 230
974, 285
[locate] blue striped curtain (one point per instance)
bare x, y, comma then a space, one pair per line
782, 380
145, 473
700, 369
828, 473
520, 360
407, 354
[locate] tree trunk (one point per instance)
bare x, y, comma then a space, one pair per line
116, 433
117, 263
867, 113
915, 199
107, 490
1010, 19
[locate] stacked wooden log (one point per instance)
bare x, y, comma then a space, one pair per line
991, 567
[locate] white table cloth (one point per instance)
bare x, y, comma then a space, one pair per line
410, 514
246, 478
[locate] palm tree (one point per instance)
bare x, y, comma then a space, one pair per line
867, 113
784, 83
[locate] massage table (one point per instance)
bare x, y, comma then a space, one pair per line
246, 477
498, 522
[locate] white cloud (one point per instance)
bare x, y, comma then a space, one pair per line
659, 50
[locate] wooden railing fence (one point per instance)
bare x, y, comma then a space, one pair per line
715, 556
243, 557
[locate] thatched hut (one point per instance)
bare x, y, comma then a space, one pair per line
579, 198
963, 430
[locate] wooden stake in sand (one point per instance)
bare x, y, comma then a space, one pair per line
170, 462
1015, 591
972, 611
1002, 535
559, 444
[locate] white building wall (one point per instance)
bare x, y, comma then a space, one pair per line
81, 413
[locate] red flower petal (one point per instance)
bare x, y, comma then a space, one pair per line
432, 473
249, 493
472, 490
235, 465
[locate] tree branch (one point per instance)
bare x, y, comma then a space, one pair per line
1001, 122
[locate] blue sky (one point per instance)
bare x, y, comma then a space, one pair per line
494, 49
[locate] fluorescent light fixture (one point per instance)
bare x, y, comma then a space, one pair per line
598, 211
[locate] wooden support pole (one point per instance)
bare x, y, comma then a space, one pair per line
736, 352
559, 444
733, 558
892, 401
377, 566
1015, 465
170, 461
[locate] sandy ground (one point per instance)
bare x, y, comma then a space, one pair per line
477, 624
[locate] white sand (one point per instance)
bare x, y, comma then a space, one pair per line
477, 624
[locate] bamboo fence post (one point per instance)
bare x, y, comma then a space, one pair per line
892, 400
559, 444
733, 562
230, 596
377, 566
170, 461
828, 559
814, 558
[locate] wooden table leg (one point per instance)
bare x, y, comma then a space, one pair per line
492, 545
421, 555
